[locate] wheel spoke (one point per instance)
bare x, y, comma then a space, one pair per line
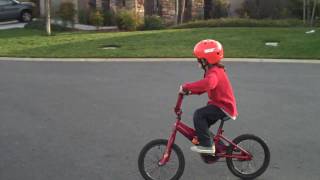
249, 167
152, 168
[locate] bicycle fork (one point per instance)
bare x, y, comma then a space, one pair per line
186, 131
166, 156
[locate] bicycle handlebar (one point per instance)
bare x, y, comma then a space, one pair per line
177, 109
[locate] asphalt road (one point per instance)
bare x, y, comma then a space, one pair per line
88, 121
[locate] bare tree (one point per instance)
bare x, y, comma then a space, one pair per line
177, 12
313, 11
183, 7
308, 10
304, 11
48, 21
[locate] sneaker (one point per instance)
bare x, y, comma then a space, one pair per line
203, 150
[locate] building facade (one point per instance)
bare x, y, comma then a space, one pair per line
167, 9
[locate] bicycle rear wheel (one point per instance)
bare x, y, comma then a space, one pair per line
249, 169
150, 156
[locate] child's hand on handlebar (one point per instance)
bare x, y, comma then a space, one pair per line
183, 91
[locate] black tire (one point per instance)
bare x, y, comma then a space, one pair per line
231, 162
25, 16
176, 152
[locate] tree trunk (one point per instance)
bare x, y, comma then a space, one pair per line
183, 7
304, 11
48, 22
308, 10
76, 17
313, 11
208, 9
177, 12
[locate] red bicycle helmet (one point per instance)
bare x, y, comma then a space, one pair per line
210, 50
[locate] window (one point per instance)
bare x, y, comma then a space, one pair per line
92, 4
5, 2
155, 6
105, 5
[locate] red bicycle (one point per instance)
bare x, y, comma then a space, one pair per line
247, 156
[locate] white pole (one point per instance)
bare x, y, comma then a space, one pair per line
48, 26
177, 12
313, 11
304, 11
183, 3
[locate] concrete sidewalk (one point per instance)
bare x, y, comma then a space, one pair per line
83, 27
157, 60
11, 25
94, 28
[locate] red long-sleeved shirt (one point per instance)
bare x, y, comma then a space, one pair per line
216, 83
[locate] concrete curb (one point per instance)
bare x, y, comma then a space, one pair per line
12, 25
156, 60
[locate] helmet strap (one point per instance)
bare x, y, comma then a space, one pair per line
221, 66
204, 64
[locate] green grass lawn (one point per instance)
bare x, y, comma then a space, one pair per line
238, 42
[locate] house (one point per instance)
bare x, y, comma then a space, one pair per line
194, 9
163, 8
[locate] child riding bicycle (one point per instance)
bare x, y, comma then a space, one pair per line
221, 104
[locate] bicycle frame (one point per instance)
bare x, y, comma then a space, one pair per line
190, 134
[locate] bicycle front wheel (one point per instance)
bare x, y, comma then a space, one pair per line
249, 169
150, 156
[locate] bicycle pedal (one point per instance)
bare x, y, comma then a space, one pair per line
209, 159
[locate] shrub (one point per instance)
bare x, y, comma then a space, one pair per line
83, 17
153, 22
67, 13
241, 22
96, 18
295, 8
109, 18
261, 9
41, 25
127, 20
220, 8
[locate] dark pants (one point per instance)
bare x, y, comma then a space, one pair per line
203, 118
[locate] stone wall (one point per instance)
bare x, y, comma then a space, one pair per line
135, 5
140, 7
193, 10
113, 5
168, 10
197, 10
151, 7
83, 5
